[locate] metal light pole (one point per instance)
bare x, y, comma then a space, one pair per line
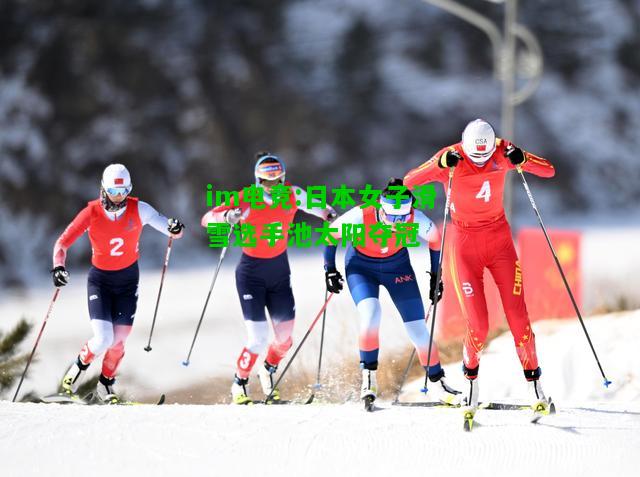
508, 69
505, 63
508, 86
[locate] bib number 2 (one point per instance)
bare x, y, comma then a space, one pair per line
116, 244
485, 191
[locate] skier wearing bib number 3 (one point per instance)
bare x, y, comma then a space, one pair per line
263, 276
114, 223
481, 238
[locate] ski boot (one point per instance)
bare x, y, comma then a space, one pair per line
369, 389
105, 392
239, 391
73, 377
443, 392
541, 406
470, 409
265, 374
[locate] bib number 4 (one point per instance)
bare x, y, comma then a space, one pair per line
485, 191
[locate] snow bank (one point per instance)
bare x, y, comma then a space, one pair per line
569, 370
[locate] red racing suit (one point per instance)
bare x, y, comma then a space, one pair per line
481, 238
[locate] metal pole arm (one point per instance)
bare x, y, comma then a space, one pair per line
480, 21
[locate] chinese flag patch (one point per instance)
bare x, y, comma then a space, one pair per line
481, 147
119, 181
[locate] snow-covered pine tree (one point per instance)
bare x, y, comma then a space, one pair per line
11, 362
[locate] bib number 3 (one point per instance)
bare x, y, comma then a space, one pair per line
116, 244
245, 360
485, 191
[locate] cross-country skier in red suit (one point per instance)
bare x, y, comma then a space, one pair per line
481, 238
263, 276
114, 223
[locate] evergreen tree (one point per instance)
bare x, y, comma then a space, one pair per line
11, 363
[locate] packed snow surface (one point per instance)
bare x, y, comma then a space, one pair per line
315, 440
595, 432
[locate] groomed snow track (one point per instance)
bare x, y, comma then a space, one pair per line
52, 439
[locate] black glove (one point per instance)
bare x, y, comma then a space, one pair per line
432, 287
233, 216
515, 155
60, 276
334, 281
331, 215
450, 159
174, 226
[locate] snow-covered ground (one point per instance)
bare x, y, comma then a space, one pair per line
316, 440
569, 370
596, 430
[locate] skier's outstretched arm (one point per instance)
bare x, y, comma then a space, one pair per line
149, 215
327, 213
231, 213
430, 171
74, 230
333, 278
538, 166
428, 232
331, 250
529, 162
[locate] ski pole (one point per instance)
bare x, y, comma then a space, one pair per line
317, 385
405, 374
33, 352
564, 278
284, 371
447, 206
155, 313
213, 282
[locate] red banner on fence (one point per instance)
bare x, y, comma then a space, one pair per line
544, 290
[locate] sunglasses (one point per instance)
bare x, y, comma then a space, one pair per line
118, 190
270, 182
394, 218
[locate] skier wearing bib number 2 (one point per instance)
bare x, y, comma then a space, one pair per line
481, 238
114, 223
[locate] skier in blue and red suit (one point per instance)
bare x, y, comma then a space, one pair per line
373, 264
